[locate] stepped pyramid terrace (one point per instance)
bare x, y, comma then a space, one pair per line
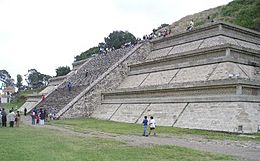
208, 78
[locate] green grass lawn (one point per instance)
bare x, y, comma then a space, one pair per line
41, 144
136, 129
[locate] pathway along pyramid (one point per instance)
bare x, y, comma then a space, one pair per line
205, 79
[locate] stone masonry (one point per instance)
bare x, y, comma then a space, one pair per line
205, 79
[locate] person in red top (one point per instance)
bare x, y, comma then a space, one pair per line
43, 98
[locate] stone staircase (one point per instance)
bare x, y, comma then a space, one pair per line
34, 99
60, 97
205, 79
89, 99
85, 73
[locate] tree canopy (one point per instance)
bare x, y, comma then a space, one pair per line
61, 71
6, 78
87, 54
114, 41
19, 83
118, 38
35, 79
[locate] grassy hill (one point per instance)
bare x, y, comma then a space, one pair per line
244, 13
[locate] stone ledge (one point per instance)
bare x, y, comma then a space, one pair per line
199, 84
160, 63
215, 29
192, 64
202, 51
191, 99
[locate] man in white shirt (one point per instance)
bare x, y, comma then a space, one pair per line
152, 125
11, 118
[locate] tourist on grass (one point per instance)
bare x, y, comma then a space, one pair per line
152, 126
42, 117
11, 118
17, 119
37, 118
4, 118
145, 123
33, 117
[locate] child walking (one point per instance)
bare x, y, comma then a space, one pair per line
152, 126
145, 123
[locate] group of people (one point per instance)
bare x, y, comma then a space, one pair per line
12, 118
38, 116
161, 33
151, 125
41, 115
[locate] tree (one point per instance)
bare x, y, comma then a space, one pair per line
19, 83
6, 78
87, 54
35, 79
60, 71
118, 38
115, 40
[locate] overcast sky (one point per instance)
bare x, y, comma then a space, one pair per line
46, 34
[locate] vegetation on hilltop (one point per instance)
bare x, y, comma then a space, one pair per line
242, 13
87, 54
114, 41
61, 71
245, 13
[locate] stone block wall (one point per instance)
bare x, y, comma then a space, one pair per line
201, 44
219, 116
218, 71
205, 79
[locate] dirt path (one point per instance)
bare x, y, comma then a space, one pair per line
245, 150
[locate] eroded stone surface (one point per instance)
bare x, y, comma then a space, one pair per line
186, 47
159, 53
227, 70
198, 73
105, 111
221, 115
129, 112
164, 114
133, 81
159, 78
248, 45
